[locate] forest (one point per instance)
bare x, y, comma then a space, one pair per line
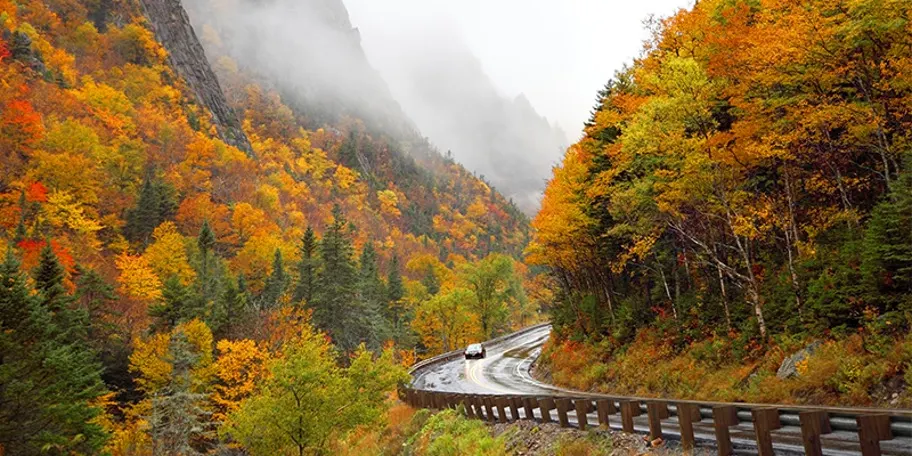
743, 189
165, 292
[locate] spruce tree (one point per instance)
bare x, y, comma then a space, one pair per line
887, 254
71, 323
231, 309
47, 381
276, 283
373, 298
336, 307
155, 204
205, 241
307, 269
178, 421
178, 303
395, 311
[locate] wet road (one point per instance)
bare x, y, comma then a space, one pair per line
505, 370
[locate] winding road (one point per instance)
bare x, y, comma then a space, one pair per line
505, 371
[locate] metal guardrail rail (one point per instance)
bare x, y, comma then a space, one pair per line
872, 426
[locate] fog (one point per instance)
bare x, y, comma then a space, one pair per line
488, 81
307, 49
443, 87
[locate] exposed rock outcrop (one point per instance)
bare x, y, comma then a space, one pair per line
172, 27
789, 366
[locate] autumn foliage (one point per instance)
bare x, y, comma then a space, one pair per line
738, 183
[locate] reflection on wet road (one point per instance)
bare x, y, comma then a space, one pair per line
504, 371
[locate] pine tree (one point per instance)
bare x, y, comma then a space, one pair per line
156, 203
336, 307
205, 241
396, 313
276, 284
178, 420
46, 381
372, 294
307, 268
231, 309
178, 303
430, 281
71, 323
887, 255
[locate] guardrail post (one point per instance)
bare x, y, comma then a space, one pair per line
529, 406
656, 411
545, 405
871, 430
724, 417
605, 408
563, 406
489, 408
514, 407
467, 405
765, 420
440, 401
582, 409
478, 403
629, 409
688, 414
814, 423
502, 409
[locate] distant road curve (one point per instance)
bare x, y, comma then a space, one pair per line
505, 371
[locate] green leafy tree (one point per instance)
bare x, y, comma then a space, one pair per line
307, 399
493, 281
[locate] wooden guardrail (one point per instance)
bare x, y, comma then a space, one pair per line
872, 427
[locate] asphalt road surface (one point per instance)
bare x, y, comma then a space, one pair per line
505, 371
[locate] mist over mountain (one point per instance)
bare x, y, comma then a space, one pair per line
442, 86
310, 51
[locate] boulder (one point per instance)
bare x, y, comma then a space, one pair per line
789, 366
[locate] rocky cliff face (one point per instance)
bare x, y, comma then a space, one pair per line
308, 51
172, 27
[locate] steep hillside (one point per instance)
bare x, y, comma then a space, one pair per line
165, 274
443, 87
743, 191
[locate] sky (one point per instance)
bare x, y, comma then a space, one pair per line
558, 53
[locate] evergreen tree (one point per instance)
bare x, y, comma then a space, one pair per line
205, 241
395, 291
21, 231
178, 421
396, 313
231, 309
887, 255
71, 323
430, 281
178, 303
276, 284
46, 381
373, 297
307, 268
156, 203
336, 307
